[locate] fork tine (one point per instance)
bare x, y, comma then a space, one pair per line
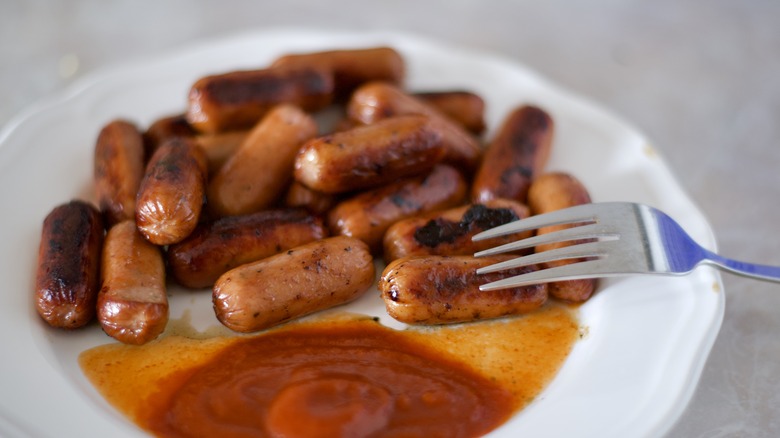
574, 271
584, 250
589, 231
578, 214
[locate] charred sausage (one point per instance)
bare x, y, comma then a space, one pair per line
215, 248
68, 276
132, 305
369, 214
369, 156
171, 195
556, 191
517, 154
443, 289
294, 283
238, 100
118, 169
449, 232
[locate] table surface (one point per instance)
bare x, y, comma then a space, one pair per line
701, 79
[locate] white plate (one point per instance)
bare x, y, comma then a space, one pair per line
632, 375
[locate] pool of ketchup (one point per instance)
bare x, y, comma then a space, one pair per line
336, 376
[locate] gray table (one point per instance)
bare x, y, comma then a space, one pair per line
701, 79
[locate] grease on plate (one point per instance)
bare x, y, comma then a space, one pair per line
511, 359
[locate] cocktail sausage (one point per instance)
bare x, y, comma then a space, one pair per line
68, 276
294, 283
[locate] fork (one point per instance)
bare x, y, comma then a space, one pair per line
608, 239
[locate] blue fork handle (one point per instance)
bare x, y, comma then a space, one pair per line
752, 270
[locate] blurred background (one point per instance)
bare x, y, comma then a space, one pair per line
700, 78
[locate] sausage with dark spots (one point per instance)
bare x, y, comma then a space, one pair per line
369, 214
449, 232
516, 155
238, 100
378, 100
444, 289
68, 275
369, 156
215, 248
289, 285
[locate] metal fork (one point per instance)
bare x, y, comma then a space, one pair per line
620, 238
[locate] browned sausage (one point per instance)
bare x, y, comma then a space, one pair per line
132, 305
164, 129
170, 198
298, 195
517, 154
257, 174
118, 169
369, 156
351, 67
369, 214
464, 107
294, 283
215, 248
378, 100
449, 232
220, 147
68, 274
238, 100
344, 124
443, 289
556, 191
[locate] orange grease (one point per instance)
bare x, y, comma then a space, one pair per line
336, 377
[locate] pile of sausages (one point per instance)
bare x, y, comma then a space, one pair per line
246, 193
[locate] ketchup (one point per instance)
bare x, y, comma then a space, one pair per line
336, 377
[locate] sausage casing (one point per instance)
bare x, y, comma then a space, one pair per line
298, 195
378, 100
516, 155
220, 147
351, 67
170, 198
132, 305
464, 107
444, 289
215, 248
118, 169
556, 191
238, 100
369, 156
68, 276
294, 283
262, 167
165, 128
449, 232
369, 214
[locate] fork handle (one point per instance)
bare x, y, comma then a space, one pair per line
751, 270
